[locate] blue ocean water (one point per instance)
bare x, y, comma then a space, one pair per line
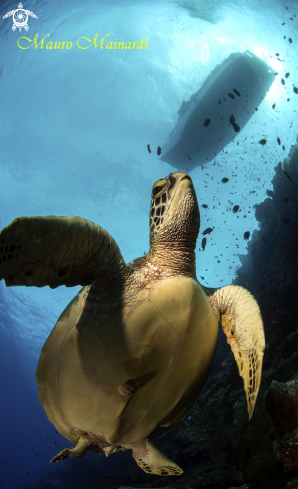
75, 124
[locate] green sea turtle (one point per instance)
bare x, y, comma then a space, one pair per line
132, 351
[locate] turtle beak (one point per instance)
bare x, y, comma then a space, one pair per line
178, 180
179, 184
186, 181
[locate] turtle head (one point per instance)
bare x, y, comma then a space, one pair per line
174, 213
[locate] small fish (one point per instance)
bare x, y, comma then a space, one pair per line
219, 102
188, 157
246, 235
263, 239
273, 106
203, 278
159, 150
278, 140
205, 206
286, 173
290, 40
295, 89
231, 95
235, 208
287, 75
286, 199
276, 54
263, 141
284, 148
204, 241
236, 91
148, 147
207, 122
225, 180
282, 81
285, 220
235, 126
207, 231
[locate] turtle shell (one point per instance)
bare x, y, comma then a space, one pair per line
164, 343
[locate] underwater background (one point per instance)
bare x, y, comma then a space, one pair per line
74, 128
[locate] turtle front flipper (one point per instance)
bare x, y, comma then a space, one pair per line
151, 460
240, 316
78, 451
53, 251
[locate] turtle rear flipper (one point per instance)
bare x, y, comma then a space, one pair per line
81, 448
240, 316
151, 460
53, 251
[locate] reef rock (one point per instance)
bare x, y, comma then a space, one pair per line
282, 410
288, 451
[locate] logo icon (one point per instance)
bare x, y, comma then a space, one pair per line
20, 18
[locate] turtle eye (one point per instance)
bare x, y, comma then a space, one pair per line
156, 190
159, 187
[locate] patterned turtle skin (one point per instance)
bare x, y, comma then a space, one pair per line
131, 352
